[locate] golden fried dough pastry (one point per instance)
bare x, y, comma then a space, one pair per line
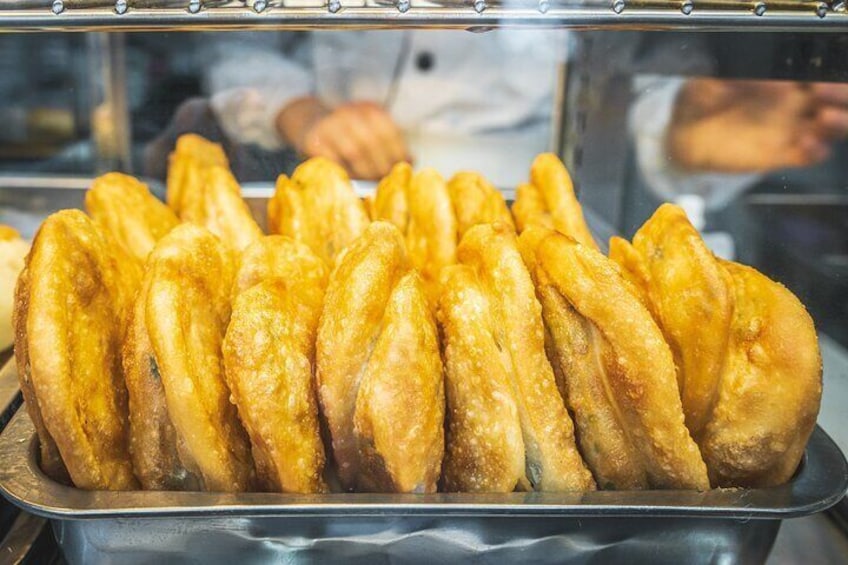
420, 206
268, 359
549, 201
750, 398
692, 299
218, 206
476, 201
771, 387
68, 332
124, 207
153, 439
551, 458
187, 309
269, 355
484, 447
379, 372
317, 207
49, 457
277, 256
191, 155
614, 369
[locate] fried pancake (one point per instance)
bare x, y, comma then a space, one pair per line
317, 207
187, 311
549, 201
50, 460
152, 438
68, 319
476, 201
191, 155
484, 447
269, 352
551, 457
379, 373
692, 300
218, 206
770, 390
124, 207
420, 206
614, 368
748, 358
277, 256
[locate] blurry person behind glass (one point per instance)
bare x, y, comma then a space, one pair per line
447, 99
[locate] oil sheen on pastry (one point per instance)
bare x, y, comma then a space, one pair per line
187, 311
379, 371
552, 461
548, 200
614, 369
68, 319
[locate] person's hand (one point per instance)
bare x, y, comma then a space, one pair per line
755, 126
361, 136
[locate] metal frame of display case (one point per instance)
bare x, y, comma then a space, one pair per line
749, 15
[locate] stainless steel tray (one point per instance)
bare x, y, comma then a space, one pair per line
728, 525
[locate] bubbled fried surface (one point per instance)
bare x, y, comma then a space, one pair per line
476, 201
692, 299
152, 439
217, 205
552, 460
69, 307
317, 206
124, 207
187, 311
420, 206
277, 256
269, 352
549, 201
771, 387
191, 155
617, 371
385, 420
484, 447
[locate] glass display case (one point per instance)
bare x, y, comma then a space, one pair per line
737, 111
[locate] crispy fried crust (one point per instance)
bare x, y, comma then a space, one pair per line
549, 201
217, 205
476, 201
378, 369
268, 361
277, 256
420, 206
152, 440
191, 155
771, 388
68, 307
50, 458
552, 460
124, 207
187, 311
484, 447
318, 207
616, 371
692, 299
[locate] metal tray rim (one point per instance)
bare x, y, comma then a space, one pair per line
820, 483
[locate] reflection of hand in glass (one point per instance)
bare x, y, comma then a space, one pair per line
756, 126
359, 135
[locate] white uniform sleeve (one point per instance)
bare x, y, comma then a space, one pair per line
649, 118
249, 81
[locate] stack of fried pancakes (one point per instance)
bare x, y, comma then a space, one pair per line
413, 342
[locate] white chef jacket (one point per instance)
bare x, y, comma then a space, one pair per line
463, 100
